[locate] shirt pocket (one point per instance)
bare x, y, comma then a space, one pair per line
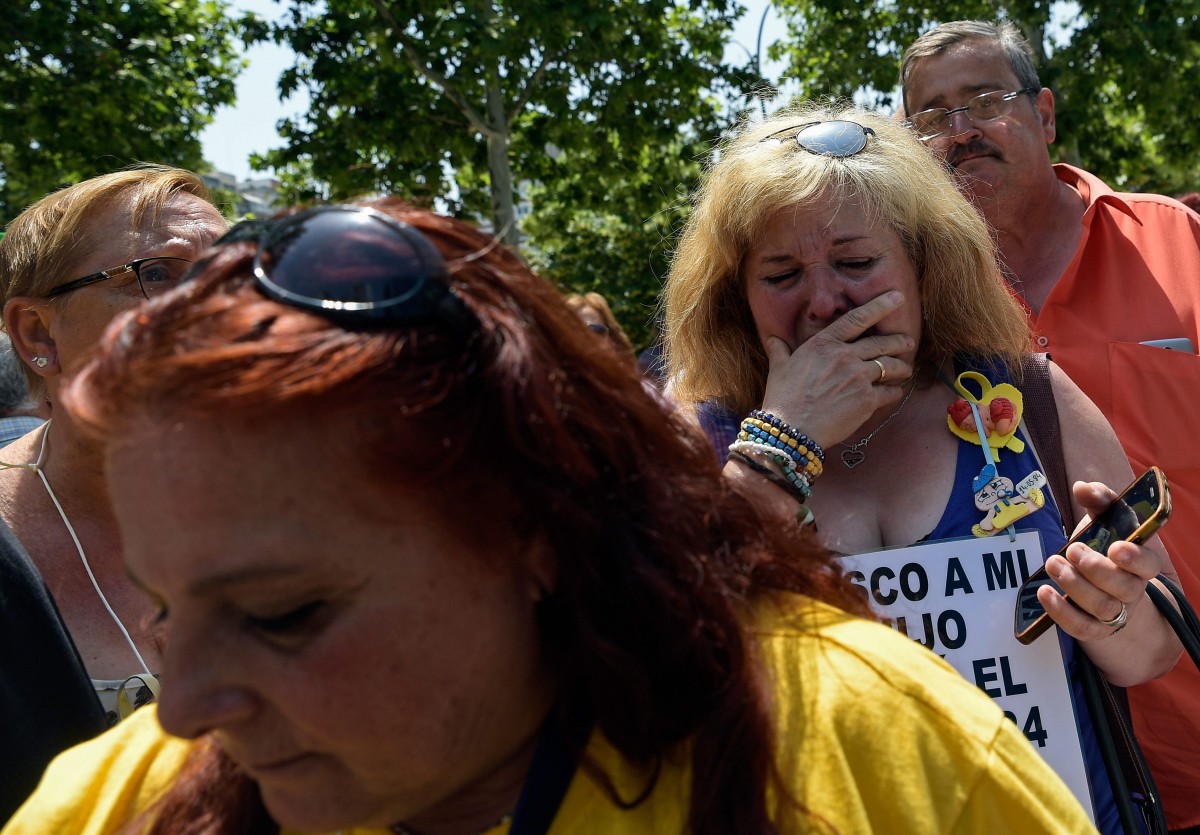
1156, 405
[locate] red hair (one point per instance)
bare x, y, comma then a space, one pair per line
658, 557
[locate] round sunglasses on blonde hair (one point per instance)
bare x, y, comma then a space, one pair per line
835, 138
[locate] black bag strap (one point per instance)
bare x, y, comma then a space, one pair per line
1183, 620
1133, 786
1130, 777
563, 737
1041, 419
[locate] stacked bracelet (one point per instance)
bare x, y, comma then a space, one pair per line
770, 475
776, 423
788, 458
804, 451
804, 516
766, 428
784, 464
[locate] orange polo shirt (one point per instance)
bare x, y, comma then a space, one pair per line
1136, 277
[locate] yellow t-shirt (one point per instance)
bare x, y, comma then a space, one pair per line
876, 734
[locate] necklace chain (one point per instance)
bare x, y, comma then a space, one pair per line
853, 454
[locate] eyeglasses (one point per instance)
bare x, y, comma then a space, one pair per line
353, 265
935, 122
835, 138
155, 276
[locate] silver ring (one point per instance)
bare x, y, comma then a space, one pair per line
882, 372
1118, 623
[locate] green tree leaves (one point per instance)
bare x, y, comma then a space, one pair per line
1122, 71
595, 112
598, 116
88, 87
601, 114
1125, 83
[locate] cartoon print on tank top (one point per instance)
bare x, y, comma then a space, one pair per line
990, 420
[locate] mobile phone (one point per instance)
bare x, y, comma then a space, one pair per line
1134, 516
1179, 343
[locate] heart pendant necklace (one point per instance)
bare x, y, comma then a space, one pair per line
854, 454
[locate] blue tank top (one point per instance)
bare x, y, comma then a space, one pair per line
721, 426
958, 518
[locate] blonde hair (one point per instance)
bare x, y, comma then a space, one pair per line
42, 243
711, 343
599, 304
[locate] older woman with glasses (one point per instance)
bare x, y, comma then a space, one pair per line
68, 264
837, 320
430, 563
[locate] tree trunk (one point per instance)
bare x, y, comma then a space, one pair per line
504, 213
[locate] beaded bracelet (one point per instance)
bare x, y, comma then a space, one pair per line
796, 477
804, 515
770, 475
787, 467
768, 418
809, 452
750, 432
805, 452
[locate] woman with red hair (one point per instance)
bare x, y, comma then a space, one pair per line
426, 563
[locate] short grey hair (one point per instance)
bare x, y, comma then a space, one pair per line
14, 388
937, 40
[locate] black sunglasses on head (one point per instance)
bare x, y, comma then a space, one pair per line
353, 265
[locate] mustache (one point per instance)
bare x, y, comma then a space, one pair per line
974, 148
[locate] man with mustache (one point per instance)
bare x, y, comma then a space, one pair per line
1104, 276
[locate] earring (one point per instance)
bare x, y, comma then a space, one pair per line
41, 362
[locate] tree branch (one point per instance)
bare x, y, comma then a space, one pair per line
530, 85
433, 76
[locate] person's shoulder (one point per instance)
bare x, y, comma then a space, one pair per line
99, 786
870, 722
1147, 207
1160, 209
846, 656
795, 623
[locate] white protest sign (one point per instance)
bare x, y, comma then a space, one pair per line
956, 597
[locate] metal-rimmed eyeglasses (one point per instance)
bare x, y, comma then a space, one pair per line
937, 121
353, 265
155, 276
834, 138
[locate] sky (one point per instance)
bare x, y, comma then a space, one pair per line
249, 125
